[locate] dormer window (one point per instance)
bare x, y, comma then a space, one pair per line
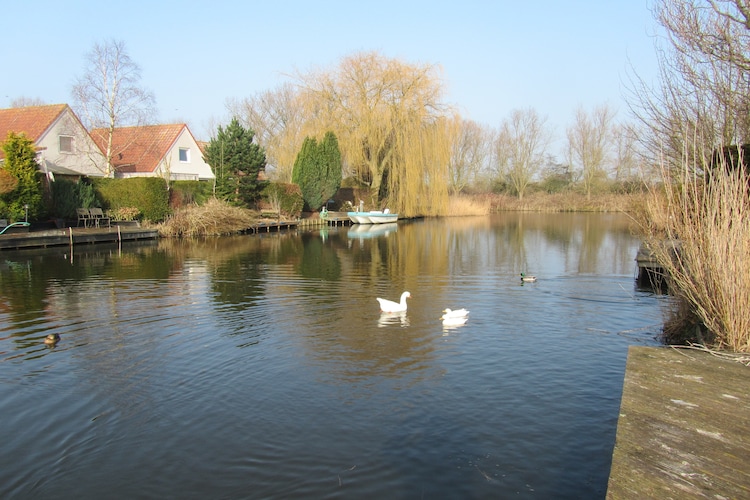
66, 144
184, 155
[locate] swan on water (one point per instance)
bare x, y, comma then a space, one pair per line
448, 322
390, 306
457, 313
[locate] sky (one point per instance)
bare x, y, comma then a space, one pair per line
495, 56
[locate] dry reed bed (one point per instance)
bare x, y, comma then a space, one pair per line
214, 218
709, 272
568, 202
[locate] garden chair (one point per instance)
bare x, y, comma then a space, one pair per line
98, 217
83, 216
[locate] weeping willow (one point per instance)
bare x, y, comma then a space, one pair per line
388, 117
418, 181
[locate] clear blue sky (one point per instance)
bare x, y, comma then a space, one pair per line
496, 56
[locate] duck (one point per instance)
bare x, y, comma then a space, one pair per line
527, 278
52, 339
458, 313
454, 320
392, 307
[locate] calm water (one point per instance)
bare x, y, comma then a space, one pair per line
260, 366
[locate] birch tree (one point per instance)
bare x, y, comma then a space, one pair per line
588, 144
109, 94
520, 148
470, 145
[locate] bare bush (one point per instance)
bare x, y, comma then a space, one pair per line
699, 231
214, 218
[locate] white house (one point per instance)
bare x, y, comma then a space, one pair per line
167, 151
63, 145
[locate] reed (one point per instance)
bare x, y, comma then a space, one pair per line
568, 202
699, 231
468, 205
213, 218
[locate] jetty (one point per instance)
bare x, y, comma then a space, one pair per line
74, 236
684, 427
651, 273
17, 238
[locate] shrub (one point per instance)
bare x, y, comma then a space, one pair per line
20, 163
148, 194
283, 198
710, 269
68, 195
124, 214
190, 192
214, 218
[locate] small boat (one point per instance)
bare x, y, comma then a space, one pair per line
359, 217
372, 217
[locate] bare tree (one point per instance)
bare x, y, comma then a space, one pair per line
702, 98
624, 140
470, 151
276, 117
520, 148
24, 102
388, 117
108, 95
589, 143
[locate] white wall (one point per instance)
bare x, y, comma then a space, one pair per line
86, 158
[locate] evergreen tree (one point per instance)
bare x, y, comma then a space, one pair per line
306, 174
236, 161
317, 170
20, 162
331, 157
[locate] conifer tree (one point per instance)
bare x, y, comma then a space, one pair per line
317, 170
331, 158
236, 161
306, 173
20, 163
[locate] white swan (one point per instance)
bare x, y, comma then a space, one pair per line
392, 307
528, 279
458, 313
451, 322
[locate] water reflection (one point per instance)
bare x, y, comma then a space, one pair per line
387, 319
259, 355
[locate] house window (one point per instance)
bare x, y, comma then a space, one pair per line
184, 155
66, 144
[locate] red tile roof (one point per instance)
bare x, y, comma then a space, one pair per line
138, 149
33, 121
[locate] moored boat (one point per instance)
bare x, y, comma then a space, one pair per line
377, 217
372, 217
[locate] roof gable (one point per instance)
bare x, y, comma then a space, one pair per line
139, 149
32, 121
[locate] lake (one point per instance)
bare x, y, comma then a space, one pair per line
260, 366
